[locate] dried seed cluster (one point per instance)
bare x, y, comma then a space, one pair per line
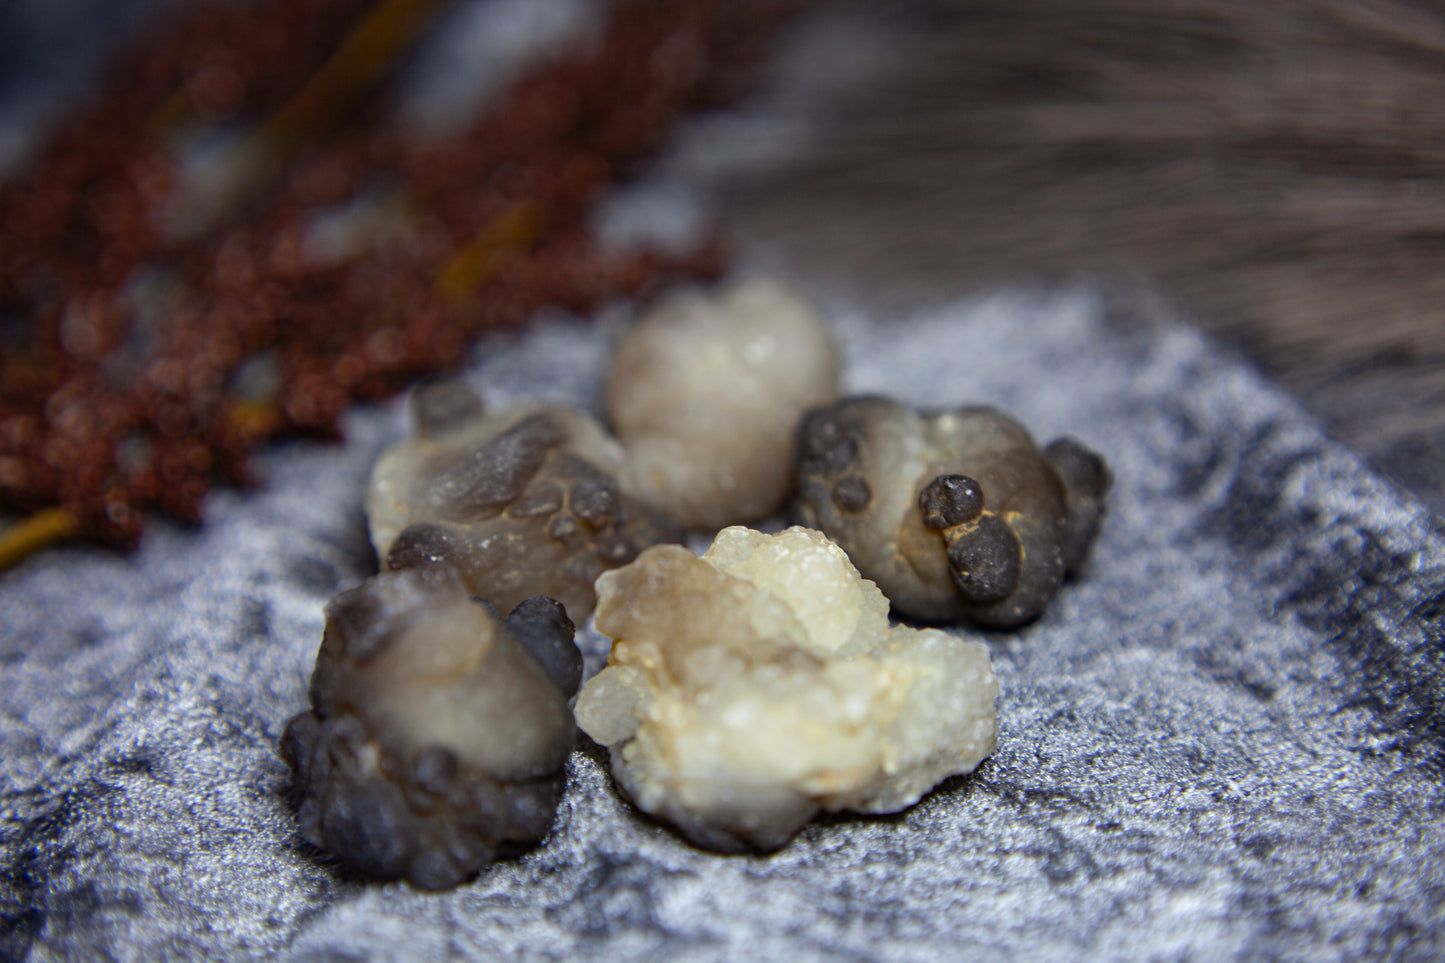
148, 361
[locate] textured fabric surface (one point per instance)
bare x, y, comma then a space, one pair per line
1225, 741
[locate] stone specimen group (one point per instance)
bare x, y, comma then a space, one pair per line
175, 313
746, 689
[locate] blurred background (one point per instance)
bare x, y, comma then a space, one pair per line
1274, 173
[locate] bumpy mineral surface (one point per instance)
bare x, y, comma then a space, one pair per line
752, 687
955, 514
706, 394
438, 731
524, 503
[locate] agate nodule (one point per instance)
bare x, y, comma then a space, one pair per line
955, 514
438, 731
523, 503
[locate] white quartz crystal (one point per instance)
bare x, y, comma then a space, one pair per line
706, 394
752, 687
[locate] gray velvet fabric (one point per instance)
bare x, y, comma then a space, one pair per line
1224, 742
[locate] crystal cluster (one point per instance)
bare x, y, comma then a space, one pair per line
754, 686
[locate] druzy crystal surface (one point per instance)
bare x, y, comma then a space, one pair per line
754, 686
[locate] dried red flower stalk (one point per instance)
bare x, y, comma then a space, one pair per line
139, 366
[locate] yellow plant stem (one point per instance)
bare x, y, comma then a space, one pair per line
30, 535
516, 228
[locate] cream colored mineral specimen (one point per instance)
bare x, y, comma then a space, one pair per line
706, 393
522, 503
754, 686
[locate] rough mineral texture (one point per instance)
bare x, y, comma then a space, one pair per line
752, 687
524, 503
955, 514
1226, 742
706, 392
436, 739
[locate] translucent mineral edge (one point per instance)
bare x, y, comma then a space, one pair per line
754, 686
